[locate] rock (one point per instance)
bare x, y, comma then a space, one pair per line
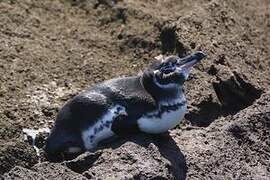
16, 153
235, 146
22, 173
139, 157
43, 171
56, 171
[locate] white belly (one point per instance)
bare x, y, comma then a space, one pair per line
168, 120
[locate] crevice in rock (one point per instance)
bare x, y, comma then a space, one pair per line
170, 43
239, 133
235, 93
83, 162
212, 70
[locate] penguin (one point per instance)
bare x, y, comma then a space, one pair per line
152, 102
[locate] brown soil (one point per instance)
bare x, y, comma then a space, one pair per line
51, 50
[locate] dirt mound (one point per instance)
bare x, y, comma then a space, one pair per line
50, 50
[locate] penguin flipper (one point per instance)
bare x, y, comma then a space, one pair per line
124, 125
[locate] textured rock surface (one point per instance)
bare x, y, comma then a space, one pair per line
139, 157
51, 50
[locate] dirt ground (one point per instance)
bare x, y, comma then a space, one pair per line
51, 50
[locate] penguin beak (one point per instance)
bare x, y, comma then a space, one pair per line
191, 60
186, 63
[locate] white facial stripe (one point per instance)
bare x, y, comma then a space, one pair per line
156, 71
165, 86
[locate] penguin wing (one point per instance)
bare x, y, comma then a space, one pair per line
127, 123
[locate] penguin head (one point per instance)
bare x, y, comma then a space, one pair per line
173, 71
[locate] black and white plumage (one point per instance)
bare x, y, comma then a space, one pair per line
152, 102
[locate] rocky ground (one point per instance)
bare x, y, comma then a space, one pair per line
51, 50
